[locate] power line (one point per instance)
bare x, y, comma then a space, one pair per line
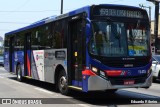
28, 11
15, 23
15, 11
25, 3
5, 29
18, 8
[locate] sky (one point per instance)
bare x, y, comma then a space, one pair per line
15, 14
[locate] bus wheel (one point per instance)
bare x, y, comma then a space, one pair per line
19, 73
62, 83
159, 74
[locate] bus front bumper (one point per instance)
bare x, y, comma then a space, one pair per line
96, 83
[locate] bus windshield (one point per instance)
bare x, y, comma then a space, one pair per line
118, 39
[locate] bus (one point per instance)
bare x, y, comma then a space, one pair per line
102, 47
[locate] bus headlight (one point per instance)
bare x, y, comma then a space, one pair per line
94, 69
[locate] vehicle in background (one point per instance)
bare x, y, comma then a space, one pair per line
1, 61
156, 67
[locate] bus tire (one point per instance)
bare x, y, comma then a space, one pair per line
19, 73
62, 83
158, 75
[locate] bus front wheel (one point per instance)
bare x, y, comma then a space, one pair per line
19, 73
62, 83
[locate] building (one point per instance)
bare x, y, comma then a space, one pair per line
152, 30
153, 37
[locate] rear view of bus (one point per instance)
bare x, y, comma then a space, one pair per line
118, 48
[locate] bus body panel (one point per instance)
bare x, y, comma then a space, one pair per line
52, 59
135, 71
37, 67
96, 83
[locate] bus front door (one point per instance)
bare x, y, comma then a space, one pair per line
11, 54
27, 55
77, 52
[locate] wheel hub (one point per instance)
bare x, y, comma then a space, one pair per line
63, 82
19, 75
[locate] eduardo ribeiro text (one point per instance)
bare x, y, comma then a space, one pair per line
146, 101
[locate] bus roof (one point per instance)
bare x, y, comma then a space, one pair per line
53, 18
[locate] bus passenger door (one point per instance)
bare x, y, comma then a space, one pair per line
77, 52
11, 54
27, 55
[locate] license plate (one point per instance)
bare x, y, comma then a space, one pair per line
129, 82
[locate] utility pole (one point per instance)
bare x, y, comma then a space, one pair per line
156, 2
61, 6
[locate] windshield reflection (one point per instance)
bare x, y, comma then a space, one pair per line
119, 39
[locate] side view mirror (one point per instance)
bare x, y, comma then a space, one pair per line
155, 62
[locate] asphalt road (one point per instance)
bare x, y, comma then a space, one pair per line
11, 88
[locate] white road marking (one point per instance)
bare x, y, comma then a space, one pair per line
83, 105
43, 90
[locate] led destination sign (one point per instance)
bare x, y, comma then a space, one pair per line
119, 12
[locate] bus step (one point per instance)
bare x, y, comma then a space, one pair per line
74, 87
28, 77
13, 73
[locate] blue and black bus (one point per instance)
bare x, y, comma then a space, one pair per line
98, 47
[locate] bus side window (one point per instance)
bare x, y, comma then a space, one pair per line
37, 39
42, 37
34, 39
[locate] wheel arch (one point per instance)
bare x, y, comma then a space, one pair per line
58, 69
158, 74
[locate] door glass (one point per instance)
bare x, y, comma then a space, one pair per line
77, 50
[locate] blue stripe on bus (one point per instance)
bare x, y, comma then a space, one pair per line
85, 83
77, 83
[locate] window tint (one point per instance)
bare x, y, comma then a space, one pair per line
19, 42
59, 34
